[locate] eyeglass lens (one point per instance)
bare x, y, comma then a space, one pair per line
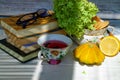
30, 18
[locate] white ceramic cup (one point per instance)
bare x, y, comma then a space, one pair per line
53, 55
95, 37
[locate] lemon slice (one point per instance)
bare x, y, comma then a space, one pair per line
109, 45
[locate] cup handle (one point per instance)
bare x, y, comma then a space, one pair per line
111, 29
40, 56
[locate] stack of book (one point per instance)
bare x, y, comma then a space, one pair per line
21, 43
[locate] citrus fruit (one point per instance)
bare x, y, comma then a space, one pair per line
109, 45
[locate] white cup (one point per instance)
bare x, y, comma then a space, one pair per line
53, 55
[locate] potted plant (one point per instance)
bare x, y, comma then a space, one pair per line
74, 16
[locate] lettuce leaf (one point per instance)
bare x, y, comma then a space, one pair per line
75, 15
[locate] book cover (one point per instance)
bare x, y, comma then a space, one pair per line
40, 26
17, 53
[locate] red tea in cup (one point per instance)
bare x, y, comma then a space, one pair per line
55, 44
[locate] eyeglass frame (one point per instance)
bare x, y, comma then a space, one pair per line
35, 15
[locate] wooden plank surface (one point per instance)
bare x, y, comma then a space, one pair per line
16, 7
108, 8
11, 69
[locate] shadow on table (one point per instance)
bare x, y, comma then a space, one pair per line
62, 71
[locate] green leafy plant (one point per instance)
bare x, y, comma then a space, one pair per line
74, 16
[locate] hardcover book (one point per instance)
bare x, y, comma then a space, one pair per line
17, 53
40, 26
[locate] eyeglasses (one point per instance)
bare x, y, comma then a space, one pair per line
30, 18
